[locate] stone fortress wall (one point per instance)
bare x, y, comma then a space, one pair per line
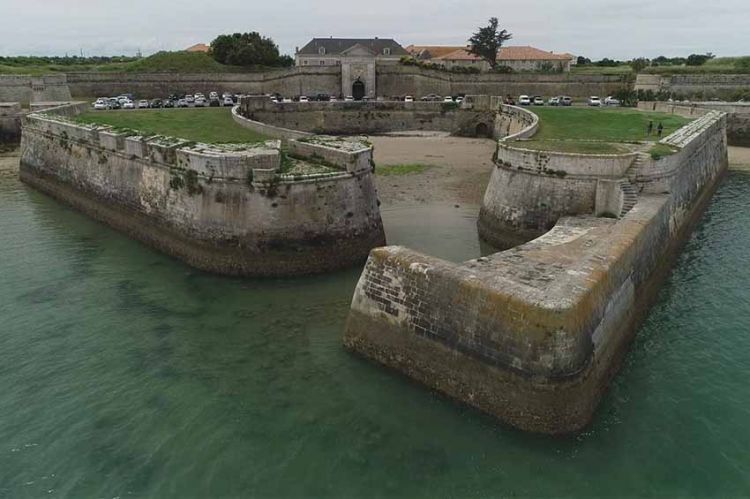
365, 117
25, 89
391, 80
708, 86
738, 119
533, 335
225, 209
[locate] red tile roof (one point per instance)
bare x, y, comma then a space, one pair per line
508, 54
435, 51
198, 47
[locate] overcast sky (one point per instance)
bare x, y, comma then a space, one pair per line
607, 28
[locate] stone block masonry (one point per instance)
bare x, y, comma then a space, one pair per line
533, 335
229, 209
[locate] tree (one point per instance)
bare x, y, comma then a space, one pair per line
487, 42
246, 49
582, 61
699, 59
639, 64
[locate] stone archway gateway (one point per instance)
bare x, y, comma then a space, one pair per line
358, 89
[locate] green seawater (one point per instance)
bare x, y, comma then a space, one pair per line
124, 373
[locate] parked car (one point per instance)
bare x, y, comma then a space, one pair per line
168, 103
349, 98
143, 104
538, 101
113, 103
101, 104
611, 101
228, 101
524, 100
431, 98
129, 104
156, 103
595, 101
408, 98
183, 103
200, 102
459, 99
214, 102
323, 98
554, 101
213, 95
566, 101
189, 99
303, 98
448, 99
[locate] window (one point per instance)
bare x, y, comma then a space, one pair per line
322, 51
322, 63
386, 51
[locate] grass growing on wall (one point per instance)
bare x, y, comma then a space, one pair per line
406, 169
574, 146
209, 125
659, 151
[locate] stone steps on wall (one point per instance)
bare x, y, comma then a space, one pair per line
630, 196
635, 168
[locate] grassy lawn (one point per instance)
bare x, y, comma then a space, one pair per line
209, 125
596, 130
658, 151
407, 169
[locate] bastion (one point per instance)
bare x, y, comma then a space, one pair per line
534, 334
234, 209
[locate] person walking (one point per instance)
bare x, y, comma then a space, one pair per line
659, 130
650, 127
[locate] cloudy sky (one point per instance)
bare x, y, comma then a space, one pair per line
605, 28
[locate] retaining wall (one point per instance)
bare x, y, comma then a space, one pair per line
26, 89
373, 117
225, 209
533, 335
706, 86
10, 121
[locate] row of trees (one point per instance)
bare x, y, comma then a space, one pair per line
248, 49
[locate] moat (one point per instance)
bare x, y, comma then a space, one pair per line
126, 373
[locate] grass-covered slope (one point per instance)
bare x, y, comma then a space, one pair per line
208, 125
172, 62
597, 130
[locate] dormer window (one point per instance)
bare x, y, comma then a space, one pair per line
386, 51
322, 50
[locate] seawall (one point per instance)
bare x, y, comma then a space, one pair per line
225, 209
696, 86
26, 89
533, 335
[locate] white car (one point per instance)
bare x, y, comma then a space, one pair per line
409, 98
554, 101
286, 100
182, 103
213, 95
611, 101
189, 99
524, 100
142, 104
595, 101
128, 104
101, 104
303, 98
448, 99
333, 99
348, 98
200, 102
228, 101
538, 101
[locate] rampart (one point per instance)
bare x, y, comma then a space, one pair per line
738, 116
396, 79
696, 86
533, 335
368, 117
231, 209
25, 89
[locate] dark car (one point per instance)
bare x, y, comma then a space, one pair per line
114, 103
167, 103
322, 98
214, 103
156, 103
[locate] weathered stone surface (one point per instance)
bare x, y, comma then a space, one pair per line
202, 203
533, 335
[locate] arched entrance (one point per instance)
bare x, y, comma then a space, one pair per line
358, 89
483, 130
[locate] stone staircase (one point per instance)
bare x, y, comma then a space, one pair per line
640, 160
630, 196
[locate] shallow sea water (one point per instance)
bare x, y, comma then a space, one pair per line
126, 373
